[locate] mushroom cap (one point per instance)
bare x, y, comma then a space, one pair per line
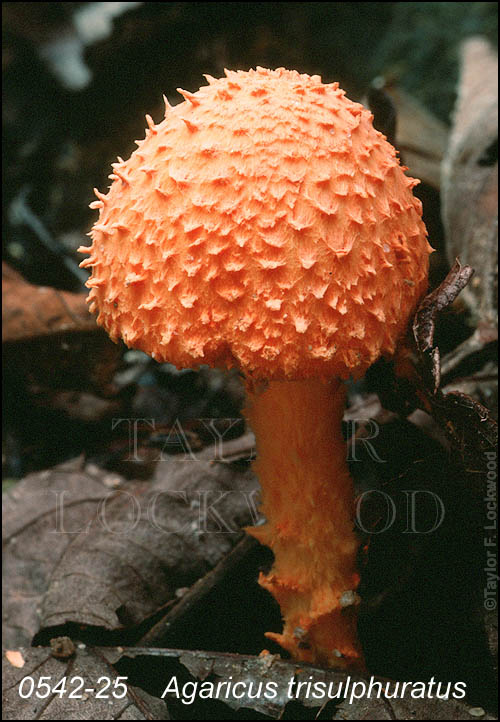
263, 224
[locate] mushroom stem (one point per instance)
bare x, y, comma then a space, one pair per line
308, 502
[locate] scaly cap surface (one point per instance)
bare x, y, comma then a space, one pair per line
263, 224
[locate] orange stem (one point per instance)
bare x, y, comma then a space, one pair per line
308, 502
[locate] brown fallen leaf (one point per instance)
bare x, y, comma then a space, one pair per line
94, 670
53, 539
468, 425
470, 178
51, 341
424, 323
33, 311
31, 545
146, 541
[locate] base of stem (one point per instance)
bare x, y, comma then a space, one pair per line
308, 502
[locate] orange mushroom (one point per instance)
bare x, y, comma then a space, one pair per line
265, 224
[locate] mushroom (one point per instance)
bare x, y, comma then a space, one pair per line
265, 224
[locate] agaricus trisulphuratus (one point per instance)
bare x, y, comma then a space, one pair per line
265, 224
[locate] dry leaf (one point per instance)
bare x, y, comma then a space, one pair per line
33, 311
470, 178
51, 341
147, 541
31, 548
424, 323
467, 424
